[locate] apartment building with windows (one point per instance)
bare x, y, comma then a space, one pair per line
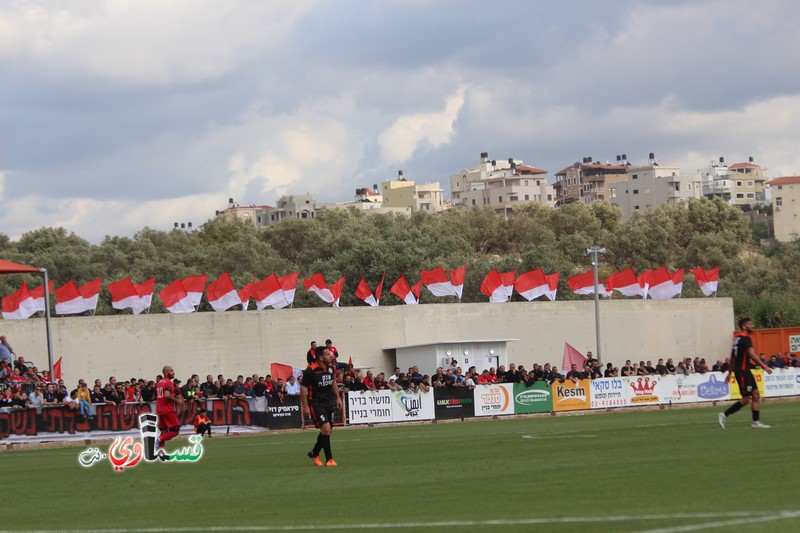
786, 207
737, 184
406, 194
500, 185
589, 181
651, 185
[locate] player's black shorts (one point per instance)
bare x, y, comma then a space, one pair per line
321, 414
747, 383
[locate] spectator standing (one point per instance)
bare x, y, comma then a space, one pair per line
311, 354
97, 395
661, 368
5, 349
628, 370
671, 366
149, 392
208, 388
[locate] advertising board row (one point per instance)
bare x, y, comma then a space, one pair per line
374, 407
508, 399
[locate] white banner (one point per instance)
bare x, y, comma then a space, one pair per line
782, 382
374, 407
608, 392
494, 399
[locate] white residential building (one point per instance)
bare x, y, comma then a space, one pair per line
501, 185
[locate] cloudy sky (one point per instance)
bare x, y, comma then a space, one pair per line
119, 114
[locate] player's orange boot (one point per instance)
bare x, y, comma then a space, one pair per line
317, 460
331, 462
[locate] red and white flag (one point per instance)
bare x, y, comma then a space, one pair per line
90, 291
707, 280
124, 295
317, 284
289, 286
492, 286
404, 292
437, 282
677, 280
364, 293
69, 300
661, 285
18, 305
572, 357
268, 292
532, 284
457, 281
38, 295
222, 293
175, 298
336, 290
508, 283
244, 295
625, 283
584, 283
195, 285
552, 284
145, 291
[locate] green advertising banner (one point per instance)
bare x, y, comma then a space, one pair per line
534, 399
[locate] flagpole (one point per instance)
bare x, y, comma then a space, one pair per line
47, 321
594, 250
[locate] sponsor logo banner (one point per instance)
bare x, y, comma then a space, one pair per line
495, 399
454, 402
608, 392
538, 398
374, 407
570, 395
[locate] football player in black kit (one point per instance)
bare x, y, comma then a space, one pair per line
319, 395
743, 358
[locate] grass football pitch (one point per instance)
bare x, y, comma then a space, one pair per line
671, 470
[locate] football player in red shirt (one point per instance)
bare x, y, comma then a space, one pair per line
166, 399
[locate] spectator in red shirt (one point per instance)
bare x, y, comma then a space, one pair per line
17, 377
483, 378
380, 382
369, 380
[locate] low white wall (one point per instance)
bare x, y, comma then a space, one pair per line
238, 342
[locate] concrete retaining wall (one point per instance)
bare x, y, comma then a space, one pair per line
238, 342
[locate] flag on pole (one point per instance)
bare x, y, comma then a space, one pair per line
18, 305
195, 285
222, 293
268, 291
38, 295
317, 284
289, 286
532, 284
572, 357
404, 292
492, 286
437, 282
175, 298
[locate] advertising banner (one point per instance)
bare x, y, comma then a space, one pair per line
494, 399
454, 402
409, 406
608, 392
734, 387
375, 407
782, 382
286, 415
537, 398
369, 407
571, 396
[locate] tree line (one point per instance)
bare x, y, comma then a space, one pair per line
763, 281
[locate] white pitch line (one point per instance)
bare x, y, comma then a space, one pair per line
785, 515
743, 518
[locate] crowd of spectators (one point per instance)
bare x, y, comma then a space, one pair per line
23, 386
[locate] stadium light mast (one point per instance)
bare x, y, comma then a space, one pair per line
593, 251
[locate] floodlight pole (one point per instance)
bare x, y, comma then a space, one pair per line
593, 251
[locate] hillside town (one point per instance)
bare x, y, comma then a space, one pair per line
503, 184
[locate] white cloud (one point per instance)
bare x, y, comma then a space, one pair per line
408, 132
2, 184
143, 42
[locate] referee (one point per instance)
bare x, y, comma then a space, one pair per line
320, 396
743, 358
